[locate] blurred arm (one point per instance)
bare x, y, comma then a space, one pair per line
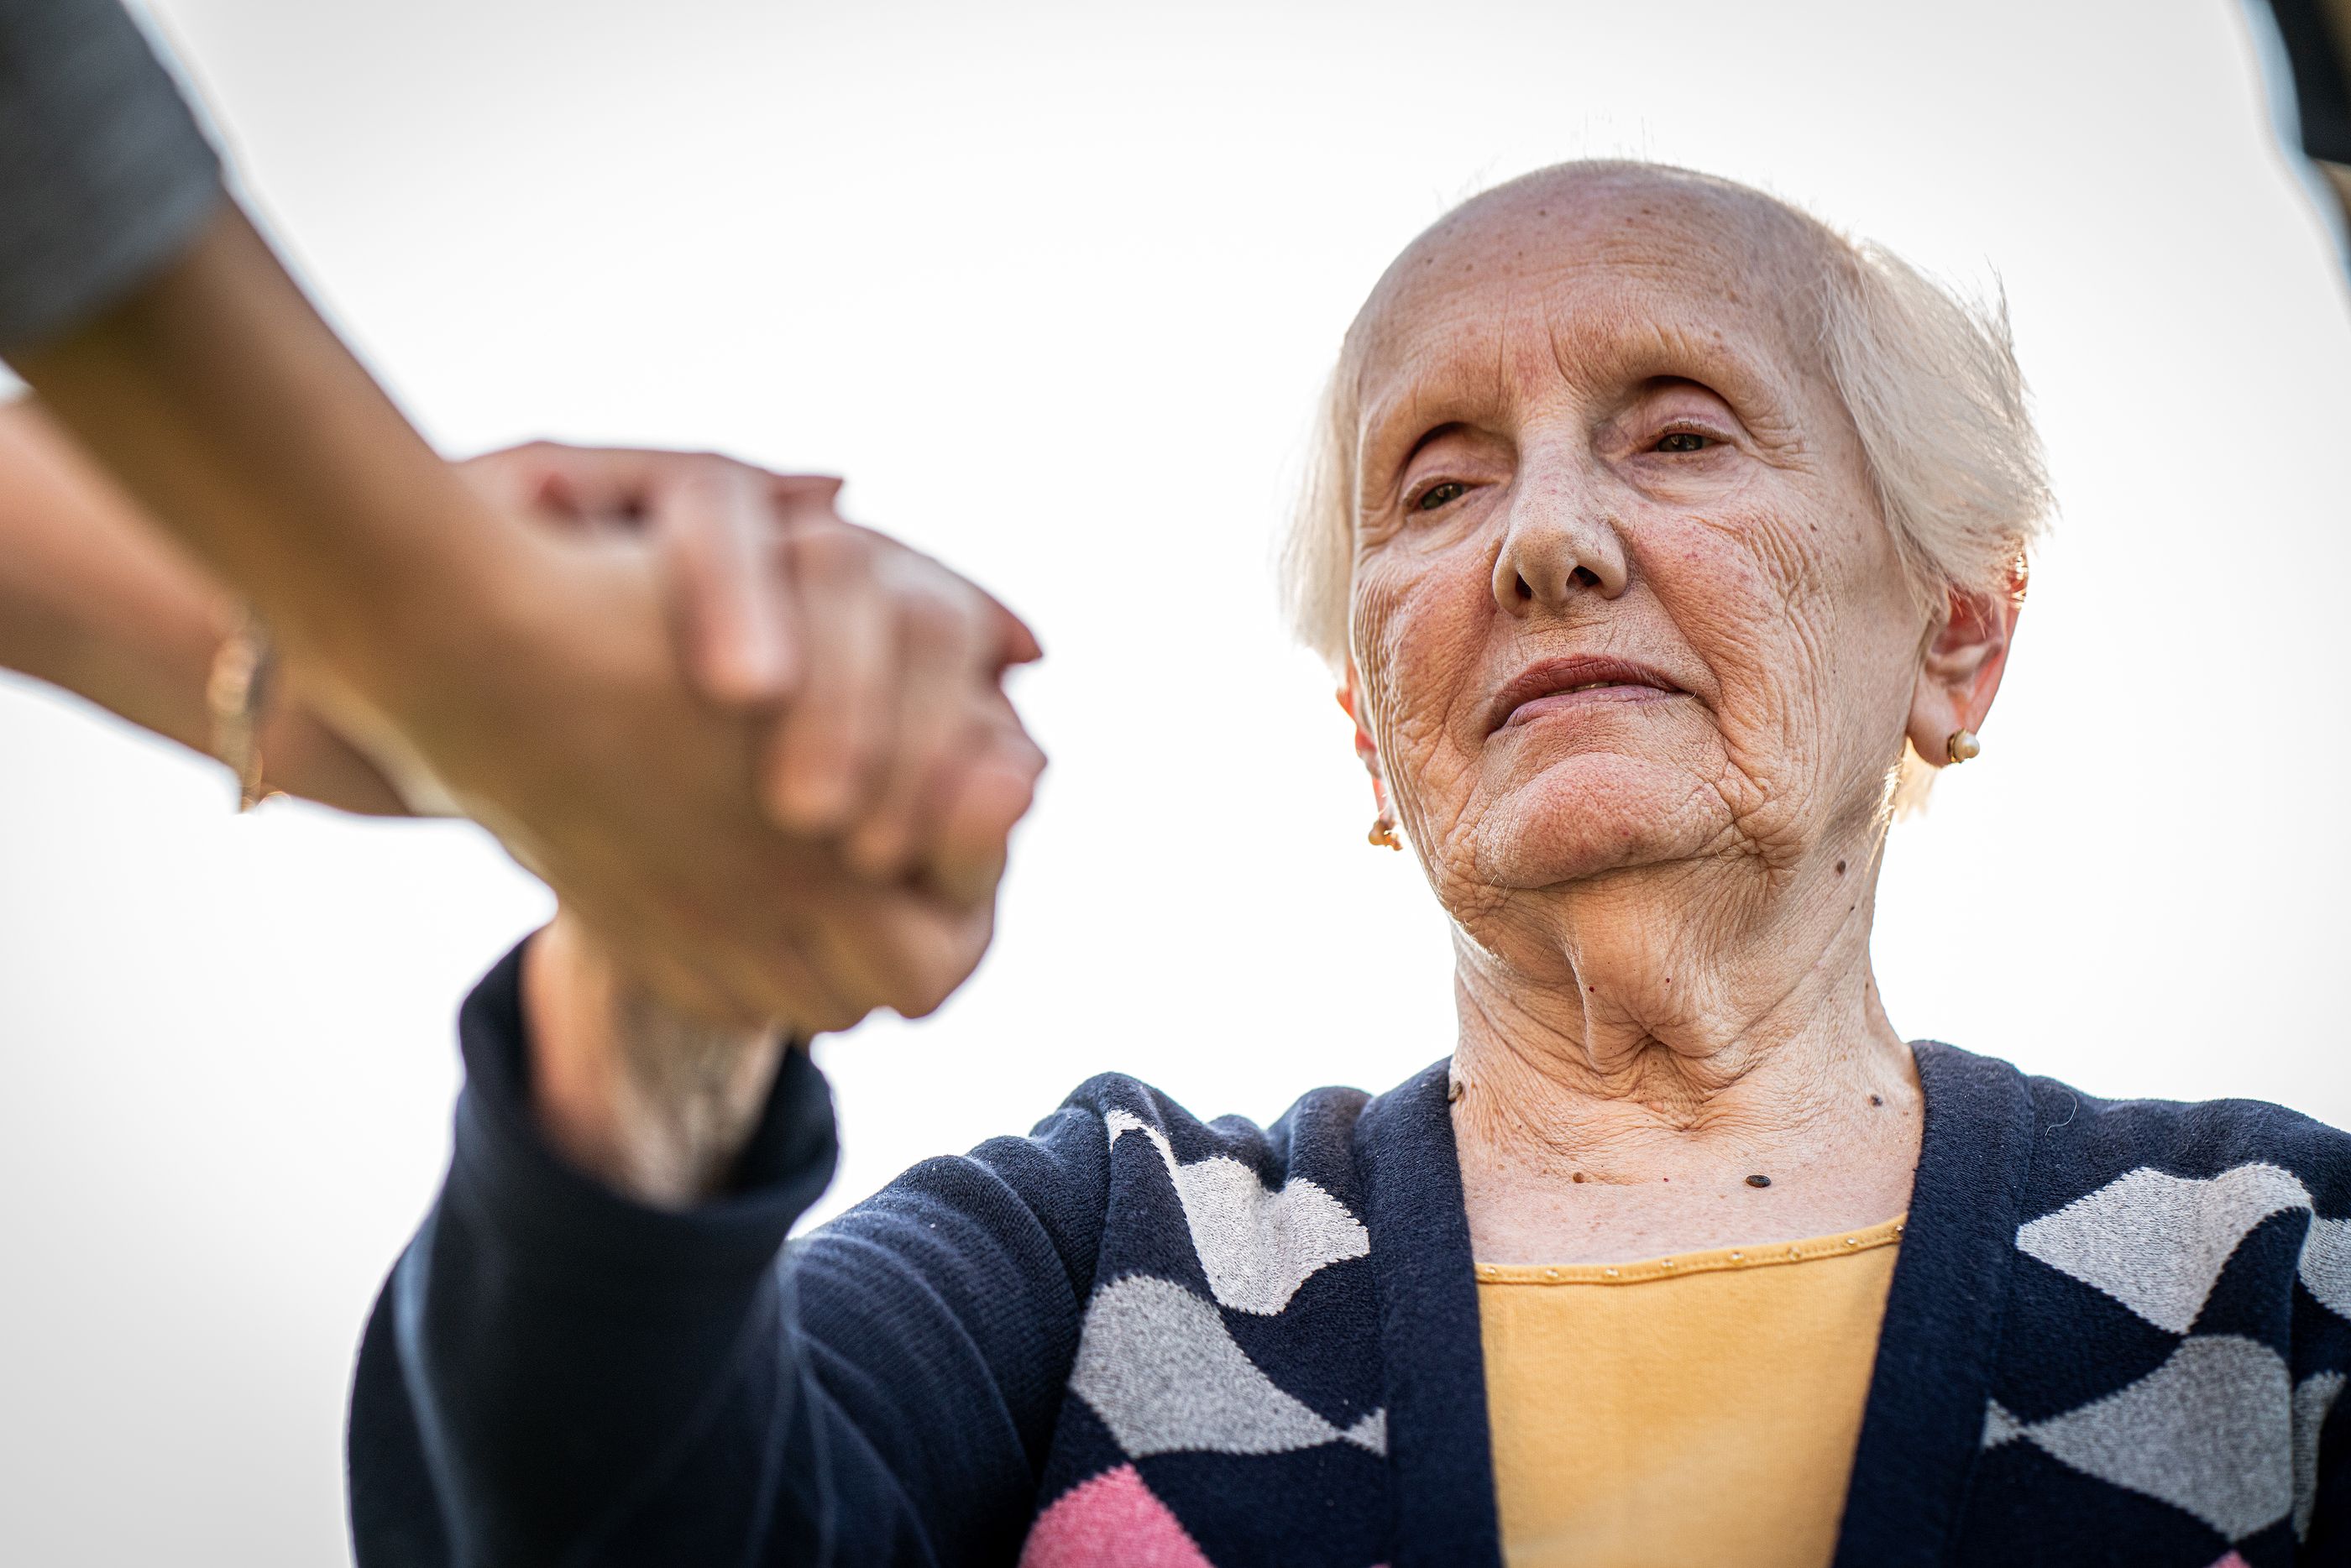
95, 601
536, 674
538, 679
239, 421
90, 599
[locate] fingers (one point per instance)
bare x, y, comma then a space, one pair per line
713, 522
1005, 636
1019, 645
896, 700
976, 834
571, 486
889, 734
912, 946
902, 796
937, 677
830, 738
923, 816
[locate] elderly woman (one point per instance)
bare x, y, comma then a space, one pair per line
1663, 539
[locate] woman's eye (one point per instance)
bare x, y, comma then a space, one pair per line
1683, 441
1438, 496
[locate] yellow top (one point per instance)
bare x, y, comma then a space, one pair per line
1694, 1409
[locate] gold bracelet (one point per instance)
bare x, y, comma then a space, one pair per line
238, 695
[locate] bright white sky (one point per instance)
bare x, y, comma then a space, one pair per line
1054, 286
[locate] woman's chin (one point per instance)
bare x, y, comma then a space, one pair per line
1590, 815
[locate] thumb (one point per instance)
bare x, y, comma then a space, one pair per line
974, 836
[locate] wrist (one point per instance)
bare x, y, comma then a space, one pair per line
301, 754
445, 673
654, 1105
417, 639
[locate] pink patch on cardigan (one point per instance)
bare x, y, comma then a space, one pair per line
2230, 1560
1110, 1520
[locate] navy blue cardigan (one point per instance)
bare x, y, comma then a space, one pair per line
2115, 1334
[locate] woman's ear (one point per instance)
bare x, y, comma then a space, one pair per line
1367, 749
1960, 675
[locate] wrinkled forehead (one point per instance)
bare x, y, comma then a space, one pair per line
1598, 274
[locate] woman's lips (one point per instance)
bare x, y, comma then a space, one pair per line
1527, 711
1559, 684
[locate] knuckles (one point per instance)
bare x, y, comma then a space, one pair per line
938, 622
827, 553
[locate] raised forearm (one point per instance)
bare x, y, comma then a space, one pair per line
535, 679
95, 599
91, 599
243, 427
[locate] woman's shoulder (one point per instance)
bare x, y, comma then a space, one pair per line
1122, 1180
2192, 1214
1066, 1166
2196, 1136
1317, 1130
2203, 1154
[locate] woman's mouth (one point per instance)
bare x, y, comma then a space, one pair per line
1555, 685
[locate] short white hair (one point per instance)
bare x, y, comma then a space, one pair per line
1927, 373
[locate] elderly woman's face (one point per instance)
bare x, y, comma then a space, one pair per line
1622, 594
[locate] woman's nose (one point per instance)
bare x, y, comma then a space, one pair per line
1559, 544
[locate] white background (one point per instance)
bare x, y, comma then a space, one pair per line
1055, 286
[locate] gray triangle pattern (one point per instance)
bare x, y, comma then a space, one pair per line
1158, 1366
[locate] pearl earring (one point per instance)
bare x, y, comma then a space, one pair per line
1962, 745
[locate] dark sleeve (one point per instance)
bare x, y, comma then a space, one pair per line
2321, 64
104, 177
553, 1374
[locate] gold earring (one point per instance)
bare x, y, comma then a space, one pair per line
1962, 746
1384, 833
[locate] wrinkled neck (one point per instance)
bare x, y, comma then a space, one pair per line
1672, 1010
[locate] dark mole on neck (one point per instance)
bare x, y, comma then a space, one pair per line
1875, 1100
